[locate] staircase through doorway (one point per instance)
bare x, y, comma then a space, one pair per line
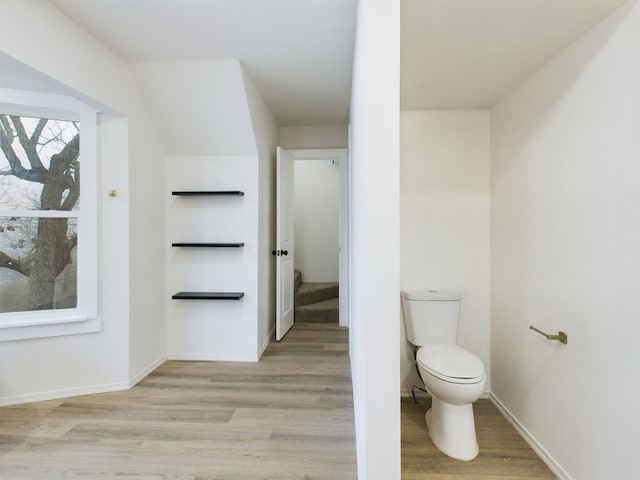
315, 302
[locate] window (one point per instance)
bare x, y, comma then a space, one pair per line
39, 201
48, 239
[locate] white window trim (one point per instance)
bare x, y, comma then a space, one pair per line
40, 213
84, 318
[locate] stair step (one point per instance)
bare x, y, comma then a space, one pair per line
315, 292
297, 280
326, 311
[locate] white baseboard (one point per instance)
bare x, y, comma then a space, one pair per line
549, 461
146, 371
79, 391
63, 393
265, 344
210, 358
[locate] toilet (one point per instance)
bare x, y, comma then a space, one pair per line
454, 377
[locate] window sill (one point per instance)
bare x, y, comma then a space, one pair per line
28, 325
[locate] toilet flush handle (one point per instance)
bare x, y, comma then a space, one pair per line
561, 336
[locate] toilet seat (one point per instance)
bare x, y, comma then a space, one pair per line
451, 363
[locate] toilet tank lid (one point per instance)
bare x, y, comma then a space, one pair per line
431, 295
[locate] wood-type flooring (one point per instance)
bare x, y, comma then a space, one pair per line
289, 416
504, 455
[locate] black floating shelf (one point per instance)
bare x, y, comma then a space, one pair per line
208, 245
208, 296
193, 193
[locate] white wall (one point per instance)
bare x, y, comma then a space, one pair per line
38, 35
444, 219
265, 131
200, 107
133, 299
217, 329
147, 224
224, 138
316, 191
374, 280
322, 136
565, 234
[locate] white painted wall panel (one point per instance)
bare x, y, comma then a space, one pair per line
147, 225
444, 219
565, 234
321, 136
55, 367
201, 329
316, 186
374, 226
200, 106
265, 131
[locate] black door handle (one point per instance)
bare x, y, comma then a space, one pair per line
284, 252
279, 252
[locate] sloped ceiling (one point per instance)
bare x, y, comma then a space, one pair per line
299, 53
200, 108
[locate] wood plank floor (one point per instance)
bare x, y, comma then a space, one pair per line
503, 453
290, 416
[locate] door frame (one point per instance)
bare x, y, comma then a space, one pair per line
341, 155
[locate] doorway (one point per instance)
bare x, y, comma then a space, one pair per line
320, 180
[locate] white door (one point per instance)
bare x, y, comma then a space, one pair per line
284, 244
344, 240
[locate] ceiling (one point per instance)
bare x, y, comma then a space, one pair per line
471, 53
299, 53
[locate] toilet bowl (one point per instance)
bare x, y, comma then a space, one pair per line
455, 379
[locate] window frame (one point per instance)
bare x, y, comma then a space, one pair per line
84, 317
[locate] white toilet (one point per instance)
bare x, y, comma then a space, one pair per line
453, 377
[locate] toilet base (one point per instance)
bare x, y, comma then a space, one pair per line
452, 429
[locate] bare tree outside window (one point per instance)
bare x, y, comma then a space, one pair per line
39, 203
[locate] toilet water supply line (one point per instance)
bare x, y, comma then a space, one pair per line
415, 387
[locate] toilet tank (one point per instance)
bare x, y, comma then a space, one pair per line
431, 316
